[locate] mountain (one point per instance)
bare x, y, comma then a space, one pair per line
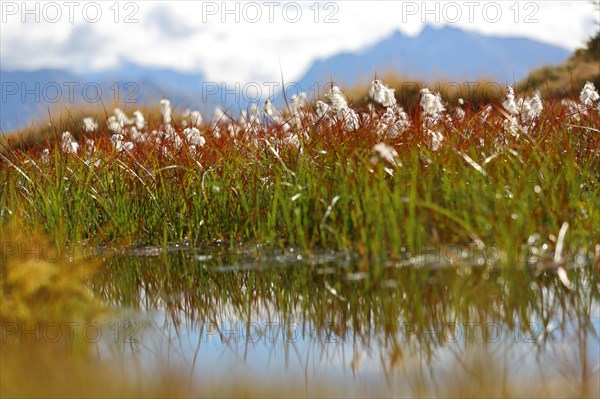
24, 94
28, 95
437, 53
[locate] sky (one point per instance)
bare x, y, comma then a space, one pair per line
248, 41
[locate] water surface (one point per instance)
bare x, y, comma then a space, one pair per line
325, 323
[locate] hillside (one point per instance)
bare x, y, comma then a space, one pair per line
560, 81
565, 79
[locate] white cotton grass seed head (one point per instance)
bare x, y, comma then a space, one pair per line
120, 145
191, 118
45, 156
536, 103
509, 104
122, 118
431, 103
175, 140
388, 116
113, 124
350, 118
436, 139
588, 94
194, 136
137, 136
528, 109
321, 108
382, 94
89, 124
393, 122
460, 114
165, 110
385, 152
68, 143
140, 121
335, 99
533, 107
485, 113
269, 108
297, 103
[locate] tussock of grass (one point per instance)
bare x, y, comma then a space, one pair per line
40, 283
485, 185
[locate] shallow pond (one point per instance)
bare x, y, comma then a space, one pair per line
324, 325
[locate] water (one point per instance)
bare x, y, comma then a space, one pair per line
325, 324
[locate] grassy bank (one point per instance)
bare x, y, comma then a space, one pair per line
469, 181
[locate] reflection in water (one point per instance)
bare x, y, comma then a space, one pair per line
324, 322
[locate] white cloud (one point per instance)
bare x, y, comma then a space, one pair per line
180, 36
